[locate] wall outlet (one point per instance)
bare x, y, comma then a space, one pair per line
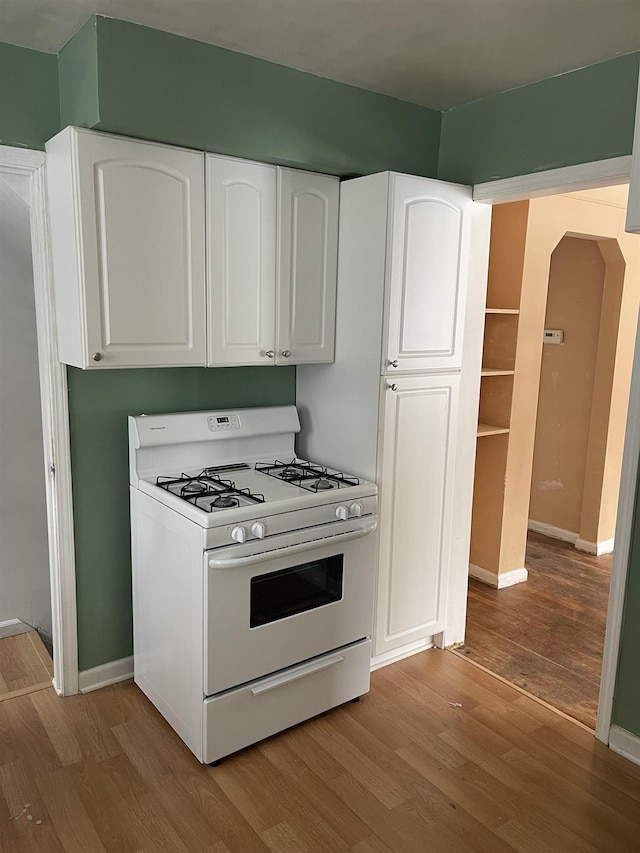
553, 336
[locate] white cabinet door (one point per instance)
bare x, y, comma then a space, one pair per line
427, 269
416, 511
127, 228
241, 261
307, 263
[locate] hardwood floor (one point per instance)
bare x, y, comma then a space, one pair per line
25, 665
546, 635
439, 757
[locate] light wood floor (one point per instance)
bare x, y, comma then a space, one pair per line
546, 635
438, 757
25, 665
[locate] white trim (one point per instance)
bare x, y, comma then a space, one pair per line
55, 425
584, 176
13, 627
395, 655
553, 532
620, 562
501, 580
106, 674
595, 548
625, 744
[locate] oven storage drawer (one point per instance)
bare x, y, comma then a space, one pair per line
240, 717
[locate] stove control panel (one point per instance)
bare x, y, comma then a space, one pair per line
223, 423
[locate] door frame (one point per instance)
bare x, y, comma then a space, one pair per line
585, 176
24, 171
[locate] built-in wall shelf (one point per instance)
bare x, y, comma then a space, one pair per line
491, 429
502, 310
496, 371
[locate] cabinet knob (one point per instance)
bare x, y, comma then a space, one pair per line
393, 363
97, 356
393, 386
269, 353
285, 353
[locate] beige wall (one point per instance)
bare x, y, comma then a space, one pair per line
524, 238
574, 302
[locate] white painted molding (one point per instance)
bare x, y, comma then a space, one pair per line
385, 659
13, 627
584, 176
500, 581
14, 163
595, 548
106, 674
620, 561
552, 532
625, 744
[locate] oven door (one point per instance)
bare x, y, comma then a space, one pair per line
276, 602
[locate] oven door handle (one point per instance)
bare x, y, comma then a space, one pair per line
266, 556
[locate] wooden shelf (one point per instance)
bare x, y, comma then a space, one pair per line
496, 371
490, 429
502, 311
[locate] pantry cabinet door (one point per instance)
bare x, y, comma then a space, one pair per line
416, 508
427, 270
140, 251
241, 261
307, 266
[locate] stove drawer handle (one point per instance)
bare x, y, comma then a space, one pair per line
281, 680
266, 556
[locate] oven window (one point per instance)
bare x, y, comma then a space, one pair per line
287, 592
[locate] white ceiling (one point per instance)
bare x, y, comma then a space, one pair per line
439, 53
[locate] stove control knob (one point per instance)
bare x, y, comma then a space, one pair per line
355, 509
239, 534
342, 513
258, 529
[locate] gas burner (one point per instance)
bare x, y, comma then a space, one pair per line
225, 502
195, 487
290, 473
322, 485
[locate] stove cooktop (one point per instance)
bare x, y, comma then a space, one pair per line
214, 490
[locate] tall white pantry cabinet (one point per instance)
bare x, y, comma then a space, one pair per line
399, 405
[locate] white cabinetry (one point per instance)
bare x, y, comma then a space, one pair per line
428, 255
272, 253
400, 404
127, 234
416, 509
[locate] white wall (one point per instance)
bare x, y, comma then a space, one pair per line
24, 562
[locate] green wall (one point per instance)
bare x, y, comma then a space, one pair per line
172, 89
29, 108
78, 76
626, 706
574, 118
99, 403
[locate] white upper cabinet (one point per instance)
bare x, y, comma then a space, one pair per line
241, 261
308, 206
427, 268
127, 235
272, 244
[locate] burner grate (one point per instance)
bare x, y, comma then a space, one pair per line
314, 478
209, 491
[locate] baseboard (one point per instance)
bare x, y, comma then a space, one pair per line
378, 661
553, 532
625, 744
498, 581
12, 627
106, 674
595, 548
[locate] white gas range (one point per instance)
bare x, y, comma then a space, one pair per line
253, 576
